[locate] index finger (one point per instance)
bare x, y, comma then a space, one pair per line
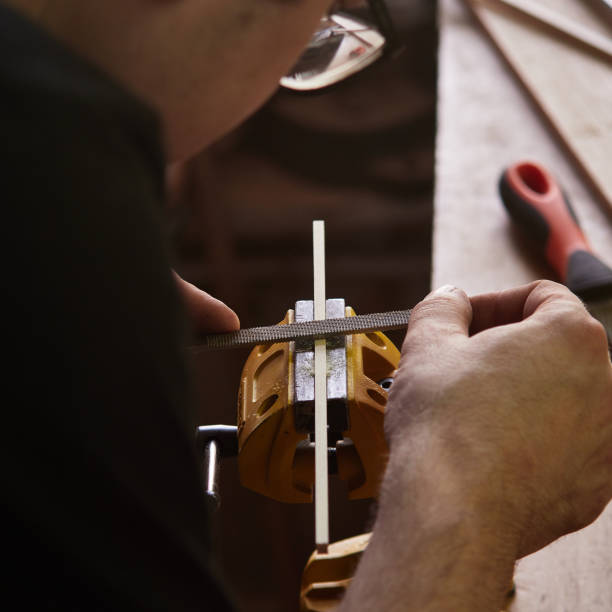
516, 304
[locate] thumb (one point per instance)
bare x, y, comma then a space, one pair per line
444, 312
207, 313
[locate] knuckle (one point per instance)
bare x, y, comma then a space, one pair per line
573, 318
587, 332
551, 289
552, 293
547, 285
595, 329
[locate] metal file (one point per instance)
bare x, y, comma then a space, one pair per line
306, 330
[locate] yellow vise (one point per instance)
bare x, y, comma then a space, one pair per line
275, 412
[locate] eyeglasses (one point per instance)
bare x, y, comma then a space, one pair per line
342, 45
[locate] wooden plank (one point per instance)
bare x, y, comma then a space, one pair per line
485, 122
571, 87
557, 23
320, 376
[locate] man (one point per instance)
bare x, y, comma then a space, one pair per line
499, 421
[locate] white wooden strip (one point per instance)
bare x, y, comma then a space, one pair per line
320, 374
318, 257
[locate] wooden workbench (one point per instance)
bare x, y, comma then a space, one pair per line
486, 122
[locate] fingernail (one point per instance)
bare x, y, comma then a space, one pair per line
444, 289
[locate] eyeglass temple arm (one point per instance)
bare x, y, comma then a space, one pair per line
383, 20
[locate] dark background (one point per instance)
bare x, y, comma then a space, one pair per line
359, 156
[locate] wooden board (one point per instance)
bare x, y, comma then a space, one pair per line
571, 86
486, 122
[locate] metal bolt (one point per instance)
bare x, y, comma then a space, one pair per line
386, 383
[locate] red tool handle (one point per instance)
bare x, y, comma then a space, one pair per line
536, 202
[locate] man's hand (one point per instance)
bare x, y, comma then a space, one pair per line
516, 387
500, 429
208, 314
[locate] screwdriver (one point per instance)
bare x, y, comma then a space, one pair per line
537, 203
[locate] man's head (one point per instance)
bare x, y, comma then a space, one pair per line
203, 64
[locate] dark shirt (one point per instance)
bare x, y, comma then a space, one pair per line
101, 494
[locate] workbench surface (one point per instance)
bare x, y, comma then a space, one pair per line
485, 123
